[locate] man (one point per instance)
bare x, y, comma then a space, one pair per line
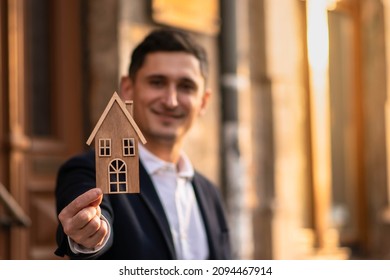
178, 214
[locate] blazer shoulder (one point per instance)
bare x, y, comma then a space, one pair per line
87, 157
200, 178
206, 185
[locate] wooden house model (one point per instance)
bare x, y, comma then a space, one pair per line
116, 142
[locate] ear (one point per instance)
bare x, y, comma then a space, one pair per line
126, 88
205, 101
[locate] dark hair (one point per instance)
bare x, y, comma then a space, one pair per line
167, 40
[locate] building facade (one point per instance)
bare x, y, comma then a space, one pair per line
296, 129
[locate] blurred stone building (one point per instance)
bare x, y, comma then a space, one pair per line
295, 135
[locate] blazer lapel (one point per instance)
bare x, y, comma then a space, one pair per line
205, 204
150, 196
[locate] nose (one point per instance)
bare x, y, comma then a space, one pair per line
170, 98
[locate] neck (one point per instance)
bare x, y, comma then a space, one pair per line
169, 152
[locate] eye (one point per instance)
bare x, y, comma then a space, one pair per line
156, 82
187, 86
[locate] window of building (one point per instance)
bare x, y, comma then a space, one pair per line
104, 147
128, 147
118, 178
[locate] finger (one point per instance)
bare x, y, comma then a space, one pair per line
102, 232
92, 197
83, 217
91, 228
98, 211
97, 202
83, 234
97, 236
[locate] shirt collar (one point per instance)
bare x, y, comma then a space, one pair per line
153, 164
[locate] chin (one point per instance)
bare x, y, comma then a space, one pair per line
167, 137
164, 135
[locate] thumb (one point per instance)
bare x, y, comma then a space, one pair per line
93, 198
97, 201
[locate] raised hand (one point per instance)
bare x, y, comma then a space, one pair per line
81, 219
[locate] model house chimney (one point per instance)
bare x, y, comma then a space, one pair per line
129, 106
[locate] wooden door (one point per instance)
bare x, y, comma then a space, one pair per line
4, 232
44, 97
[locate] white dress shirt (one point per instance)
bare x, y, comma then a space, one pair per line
175, 190
174, 187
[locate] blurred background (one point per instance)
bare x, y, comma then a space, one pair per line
295, 135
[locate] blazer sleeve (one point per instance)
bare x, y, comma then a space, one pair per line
74, 178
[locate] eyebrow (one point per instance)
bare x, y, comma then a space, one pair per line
155, 76
161, 76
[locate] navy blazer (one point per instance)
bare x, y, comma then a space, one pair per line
140, 228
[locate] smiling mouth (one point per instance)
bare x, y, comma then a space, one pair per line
165, 114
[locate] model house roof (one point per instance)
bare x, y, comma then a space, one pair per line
115, 98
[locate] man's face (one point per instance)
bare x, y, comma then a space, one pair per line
169, 94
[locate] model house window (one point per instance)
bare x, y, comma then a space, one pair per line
118, 177
104, 147
128, 147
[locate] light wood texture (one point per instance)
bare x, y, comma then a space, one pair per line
116, 124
